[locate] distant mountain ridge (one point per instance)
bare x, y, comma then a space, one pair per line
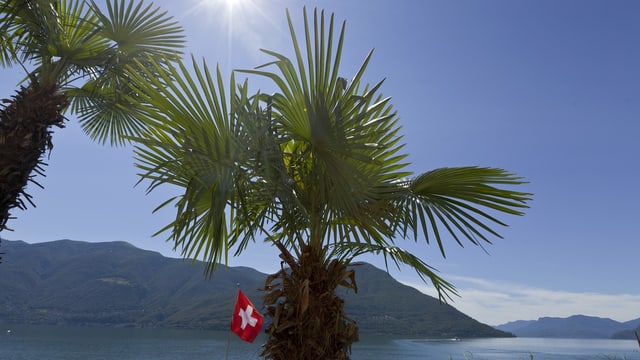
577, 326
117, 284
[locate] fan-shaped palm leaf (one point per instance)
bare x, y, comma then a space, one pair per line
210, 145
344, 136
135, 33
71, 43
463, 200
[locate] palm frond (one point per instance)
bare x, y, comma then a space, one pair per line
463, 200
8, 51
59, 38
106, 114
135, 35
88, 54
188, 144
27, 27
137, 32
344, 136
218, 148
74, 47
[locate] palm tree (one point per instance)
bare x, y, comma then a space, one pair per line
317, 170
79, 54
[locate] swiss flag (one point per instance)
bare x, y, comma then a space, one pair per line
246, 321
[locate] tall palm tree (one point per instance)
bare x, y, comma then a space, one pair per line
74, 56
317, 170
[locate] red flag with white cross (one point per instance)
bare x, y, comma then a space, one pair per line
246, 321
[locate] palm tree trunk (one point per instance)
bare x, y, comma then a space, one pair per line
308, 319
25, 134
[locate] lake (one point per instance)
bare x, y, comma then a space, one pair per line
83, 343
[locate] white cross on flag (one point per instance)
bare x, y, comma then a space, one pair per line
246, 321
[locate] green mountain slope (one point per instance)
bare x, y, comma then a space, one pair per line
384, 305
117, 284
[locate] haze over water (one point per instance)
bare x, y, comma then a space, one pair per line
69, 343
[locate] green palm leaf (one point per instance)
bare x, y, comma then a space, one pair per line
135, 30
209, 144
60, 38
462, 200
87, 53
134, 33
346, 136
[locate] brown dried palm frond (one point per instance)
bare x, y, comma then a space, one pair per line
309, 321
25, 134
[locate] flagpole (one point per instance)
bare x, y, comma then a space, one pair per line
226, 355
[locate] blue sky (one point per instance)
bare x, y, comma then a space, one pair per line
547, 89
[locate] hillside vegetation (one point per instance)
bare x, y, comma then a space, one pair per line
116, 284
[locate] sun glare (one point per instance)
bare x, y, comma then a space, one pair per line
236, 15
226, 7
243, 21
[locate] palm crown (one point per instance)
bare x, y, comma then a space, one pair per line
317, 164
84, 50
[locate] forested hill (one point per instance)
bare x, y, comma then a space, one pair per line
117, 284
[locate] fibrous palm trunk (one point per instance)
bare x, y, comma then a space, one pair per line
308, 318
26, 121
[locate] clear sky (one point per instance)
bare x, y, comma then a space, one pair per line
547, 89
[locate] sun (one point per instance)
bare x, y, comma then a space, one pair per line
232, 3
241, 23
223, 6
233, 14
233, 19
224, 12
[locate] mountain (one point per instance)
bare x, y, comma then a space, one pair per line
514, 326
117, 284
632, 327
577, 326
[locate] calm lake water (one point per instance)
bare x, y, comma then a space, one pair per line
80, 343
